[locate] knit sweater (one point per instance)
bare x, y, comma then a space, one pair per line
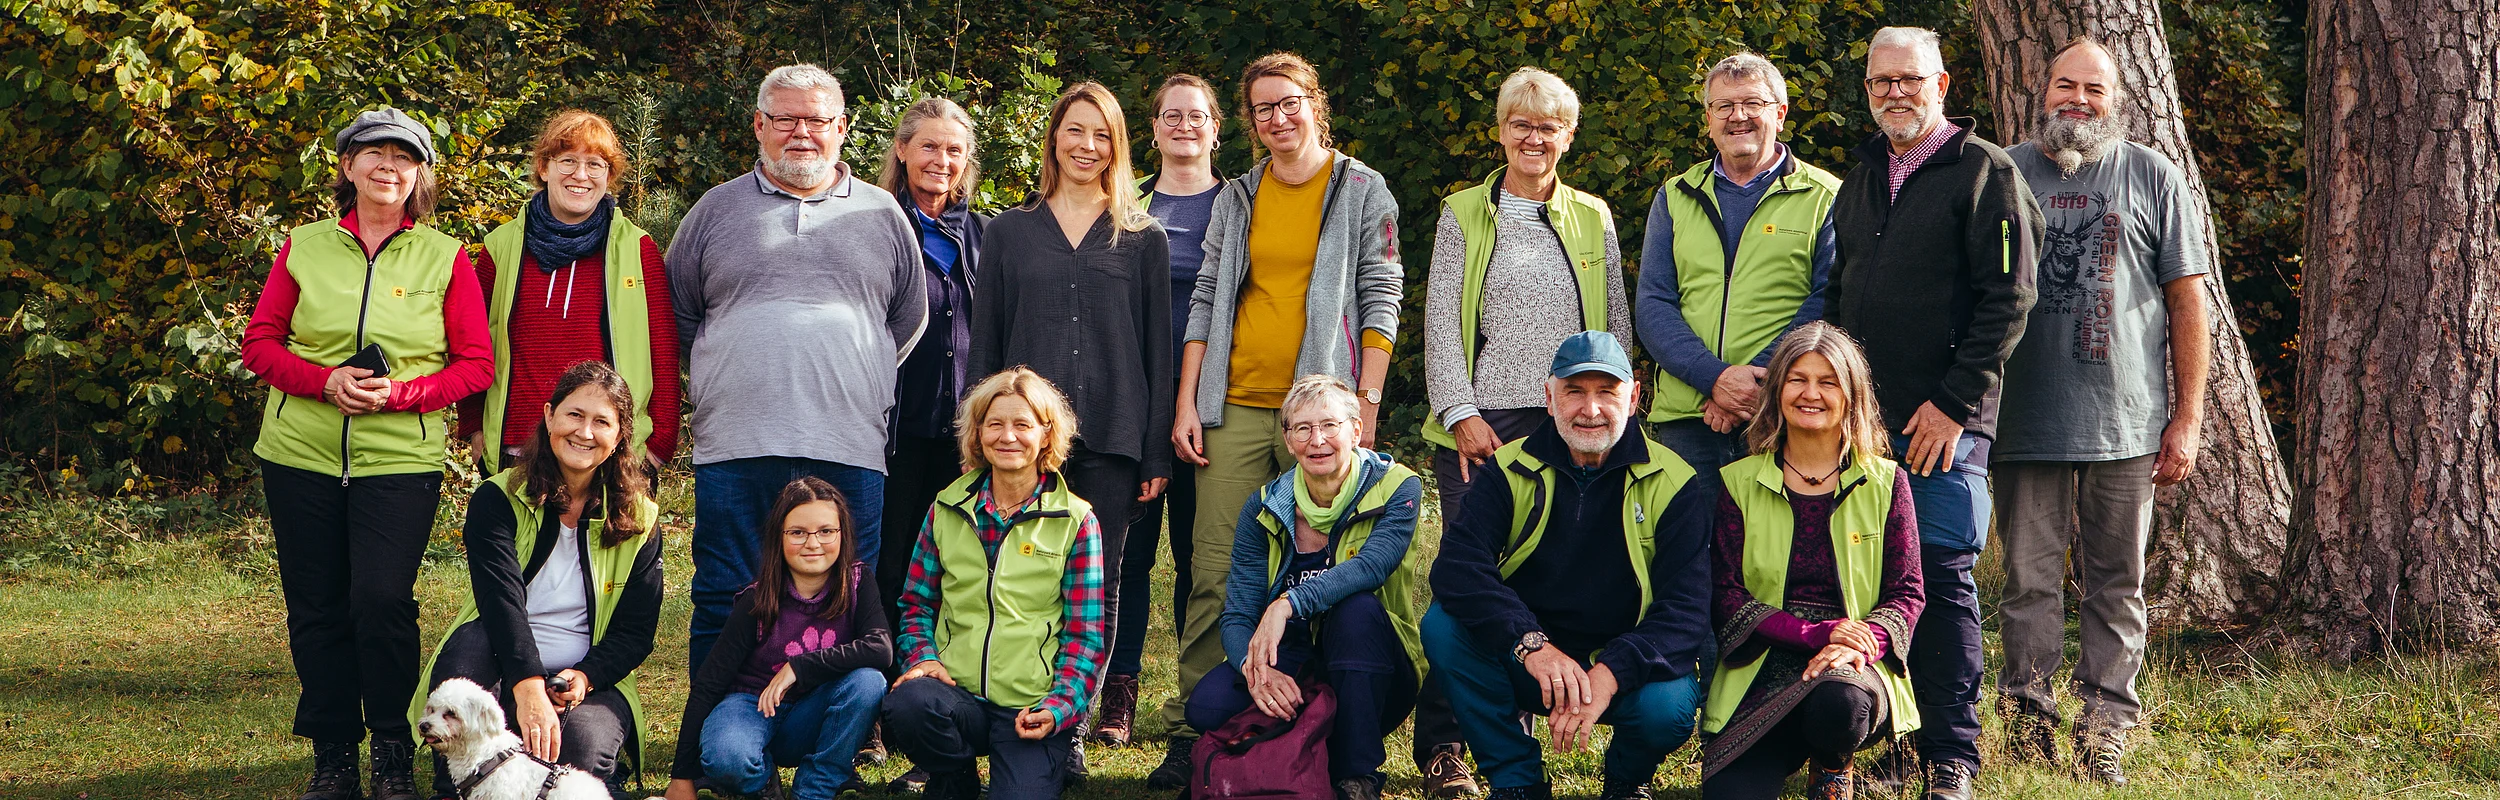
1532, 304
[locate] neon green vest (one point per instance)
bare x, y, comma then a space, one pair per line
1648, 490
1740, 307
1579, 219
629, 325
999, 614
1397, 593
610, 569
1857, 547
346, 302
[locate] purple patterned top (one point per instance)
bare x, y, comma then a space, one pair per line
794, 632
1813, 576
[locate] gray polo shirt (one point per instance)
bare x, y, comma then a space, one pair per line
792, 314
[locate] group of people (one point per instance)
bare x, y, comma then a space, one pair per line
934, 452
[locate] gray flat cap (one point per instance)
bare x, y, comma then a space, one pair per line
387, 124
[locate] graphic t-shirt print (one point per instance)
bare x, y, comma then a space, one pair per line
810, 640
2079, 270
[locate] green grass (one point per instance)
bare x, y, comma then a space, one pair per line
142, 654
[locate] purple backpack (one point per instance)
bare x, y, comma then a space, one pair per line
1258, 757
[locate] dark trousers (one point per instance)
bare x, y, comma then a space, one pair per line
1137, 563
347, 564
1435, 725
1109, 484
732, 499
1826, 727
1945, 658
1490, 691
592, 733
1360, 656
1705, 449
945, 728
914, 474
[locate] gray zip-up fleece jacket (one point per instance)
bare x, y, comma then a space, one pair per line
1356, 279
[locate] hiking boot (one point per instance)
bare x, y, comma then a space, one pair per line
1948, 780
2099, 762
1077, 771
1625, 790
1357, 789
872, 749
1540, 791
1829, 784
334, 773
915, 781
1446, 776
2031, 738
394, 769
1173, 773
1113, 724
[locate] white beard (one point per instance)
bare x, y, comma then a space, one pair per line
2075, 144
799, 172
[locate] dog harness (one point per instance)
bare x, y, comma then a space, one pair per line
555, 772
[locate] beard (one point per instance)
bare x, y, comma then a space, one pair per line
1905, 133
805, 169
2076, 143
1590, 444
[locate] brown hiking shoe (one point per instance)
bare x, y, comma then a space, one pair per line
1829, 784
2098, 762
1446, 775
1114, 721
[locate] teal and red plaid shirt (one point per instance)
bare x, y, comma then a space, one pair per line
1080, 596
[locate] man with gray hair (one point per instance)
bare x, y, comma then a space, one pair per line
1937, 234
2092, 421
798, 289
1736, 253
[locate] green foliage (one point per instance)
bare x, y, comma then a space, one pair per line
1005, 130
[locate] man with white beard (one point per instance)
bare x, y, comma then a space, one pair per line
1937, 236
798, 289
2092, 421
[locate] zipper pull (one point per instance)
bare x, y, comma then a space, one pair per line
2005, 232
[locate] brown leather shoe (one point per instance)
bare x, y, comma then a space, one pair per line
1446, 776
1116, 719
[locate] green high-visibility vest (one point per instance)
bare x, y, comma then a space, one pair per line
1353, 529
1578, 218
611, 567
1740, 306
1761, 493
628, 317
1647, 490
346, 301
1000, 613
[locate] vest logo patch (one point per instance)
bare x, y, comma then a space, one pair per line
1025, 549
1768, 229
1589, 263
632, 281
1639, 514
399, 291
1857, 537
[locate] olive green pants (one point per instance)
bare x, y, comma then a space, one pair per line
1243, 454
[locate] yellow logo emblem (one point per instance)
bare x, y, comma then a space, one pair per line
1026, 548
399, 291
1857, 537
1768, 229
631, 281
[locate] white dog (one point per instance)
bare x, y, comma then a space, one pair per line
464, 724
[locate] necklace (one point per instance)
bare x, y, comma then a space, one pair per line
1809, 479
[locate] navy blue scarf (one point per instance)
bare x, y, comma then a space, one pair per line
557, 244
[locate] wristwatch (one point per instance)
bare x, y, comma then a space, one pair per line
1534, 641
1371, 395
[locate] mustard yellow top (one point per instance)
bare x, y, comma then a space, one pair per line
1267, 328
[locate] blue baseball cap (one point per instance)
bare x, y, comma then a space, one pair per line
1592, 351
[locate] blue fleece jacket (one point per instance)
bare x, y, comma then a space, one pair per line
1247, 592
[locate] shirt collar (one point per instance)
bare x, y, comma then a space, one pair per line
1718, 167
840, 187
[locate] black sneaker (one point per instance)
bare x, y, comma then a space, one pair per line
915, 781
394, 769
334, 773
1357, 789
1625, 790
1541, 791
2099, 762
1948, 780
1077, 772
1173, 773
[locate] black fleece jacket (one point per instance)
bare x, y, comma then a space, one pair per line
873, 648
1578, 587
1936, 285
500, 579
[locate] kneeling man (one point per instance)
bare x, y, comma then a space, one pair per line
1576, 587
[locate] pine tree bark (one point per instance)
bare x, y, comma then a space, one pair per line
2399, 455
2218, 537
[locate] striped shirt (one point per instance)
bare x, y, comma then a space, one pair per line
1905, 163
1080, 593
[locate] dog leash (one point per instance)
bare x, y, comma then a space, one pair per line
555, 772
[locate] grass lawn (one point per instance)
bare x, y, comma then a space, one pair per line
149, 661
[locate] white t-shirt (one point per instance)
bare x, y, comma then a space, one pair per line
559, 605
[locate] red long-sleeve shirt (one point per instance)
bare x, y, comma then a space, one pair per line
558, 319
469, 364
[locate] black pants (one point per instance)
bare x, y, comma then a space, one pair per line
347, 563
592, 734
1435, 725
914, 474
945, 728
1826, 727
1109, 484
1945, 658
1137, 564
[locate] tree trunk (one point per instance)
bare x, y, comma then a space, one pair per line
2400, 373
2218, 537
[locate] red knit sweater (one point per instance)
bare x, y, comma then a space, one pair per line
547, 336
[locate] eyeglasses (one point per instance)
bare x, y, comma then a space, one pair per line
823, 535
814, 124
1304, 431
1520, 129
1267, 111
1726, 109
1175, 118
1905, 84
593, 168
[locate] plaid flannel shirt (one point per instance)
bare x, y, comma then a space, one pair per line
1904, 164
1080, 593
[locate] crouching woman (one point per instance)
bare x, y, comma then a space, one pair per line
1323, 585
795, 679
1816, 580
564, 576
1002, 631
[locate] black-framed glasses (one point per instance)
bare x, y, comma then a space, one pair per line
1326, 427
787, 124
1175, 118
822, 535
1290, 105
1727, 109
1905, 84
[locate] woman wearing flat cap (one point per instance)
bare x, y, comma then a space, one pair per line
370, 326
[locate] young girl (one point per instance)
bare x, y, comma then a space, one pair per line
793, 680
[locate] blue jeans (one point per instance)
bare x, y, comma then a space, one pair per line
732, 499
1954, 508
1693, 440
818, 732
1488, 690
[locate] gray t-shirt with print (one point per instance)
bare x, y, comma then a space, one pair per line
2090, 380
